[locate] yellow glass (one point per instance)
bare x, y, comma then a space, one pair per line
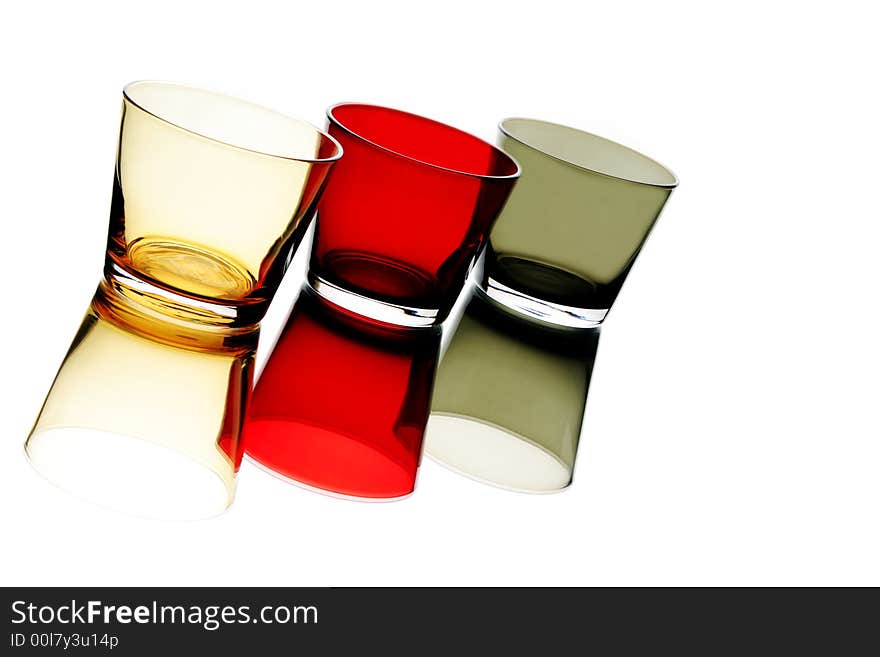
142, 419
211, 196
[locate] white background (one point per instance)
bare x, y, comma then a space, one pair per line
731, 433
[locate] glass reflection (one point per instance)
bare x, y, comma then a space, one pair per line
342, 403
509, 398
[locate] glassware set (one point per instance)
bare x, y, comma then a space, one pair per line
155, 403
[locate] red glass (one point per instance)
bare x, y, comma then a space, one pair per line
343, 402
407, 209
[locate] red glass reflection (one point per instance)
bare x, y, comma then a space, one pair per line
241, 378
342, 403
408, 206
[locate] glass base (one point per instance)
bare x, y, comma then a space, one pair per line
380, 311
532, 308
125, 289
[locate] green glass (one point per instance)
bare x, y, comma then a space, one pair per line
573, 225
509, 398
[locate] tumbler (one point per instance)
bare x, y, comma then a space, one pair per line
573, 226
210, 196
404, 214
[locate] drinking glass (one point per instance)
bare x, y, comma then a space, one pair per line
342, 403
511, 388
404, 213
565, 241
210, 196
509, 398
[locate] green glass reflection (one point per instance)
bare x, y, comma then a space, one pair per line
509, 399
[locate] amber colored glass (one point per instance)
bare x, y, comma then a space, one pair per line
144, 415
210, 196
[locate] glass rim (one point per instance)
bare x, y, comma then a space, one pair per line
338, 150
390, 151
544, 151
